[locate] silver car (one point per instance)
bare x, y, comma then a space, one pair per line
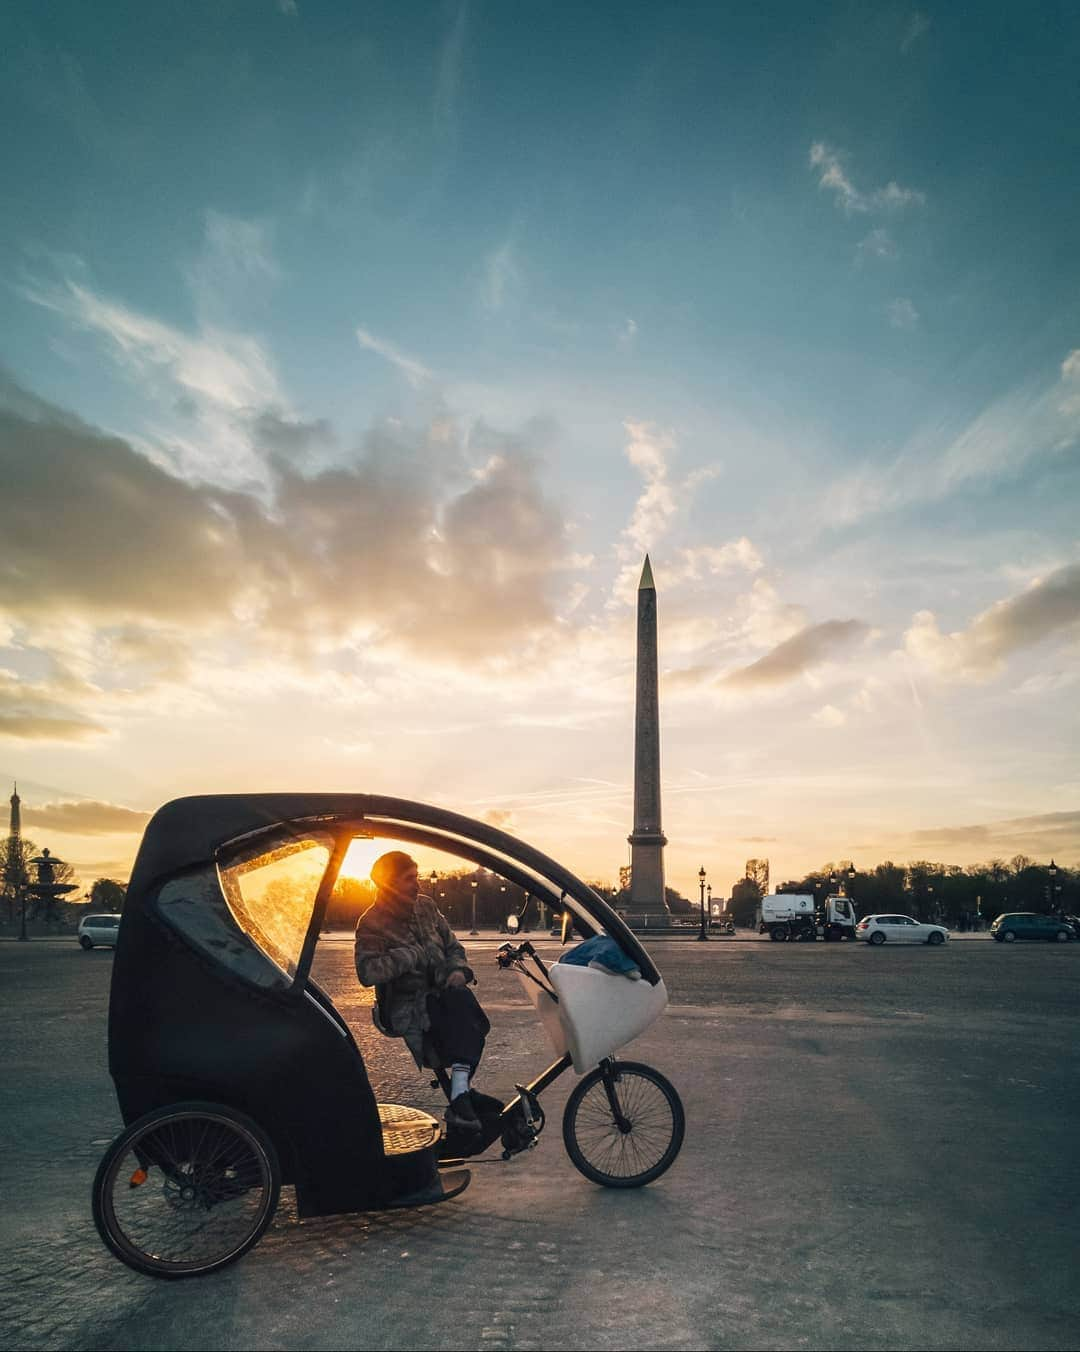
898, 929
98, 929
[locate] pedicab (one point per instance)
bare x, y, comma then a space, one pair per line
236, 1075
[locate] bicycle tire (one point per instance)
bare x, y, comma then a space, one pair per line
605, 1154
209, 1187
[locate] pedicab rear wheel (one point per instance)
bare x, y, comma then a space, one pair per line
186, 1190
634, 1147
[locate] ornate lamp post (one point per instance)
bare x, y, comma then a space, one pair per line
704, 934
432, 882
474, 885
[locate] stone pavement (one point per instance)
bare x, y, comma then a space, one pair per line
880, 1153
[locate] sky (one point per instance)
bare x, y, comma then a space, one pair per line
353, 356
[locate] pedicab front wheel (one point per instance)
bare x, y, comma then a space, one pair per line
623, 1125
186, 1190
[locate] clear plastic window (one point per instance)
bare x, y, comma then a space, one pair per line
271, 893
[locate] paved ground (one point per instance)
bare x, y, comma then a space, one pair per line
881, 1153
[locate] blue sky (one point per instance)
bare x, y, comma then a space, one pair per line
357, 353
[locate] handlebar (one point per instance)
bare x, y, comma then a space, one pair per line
508, 954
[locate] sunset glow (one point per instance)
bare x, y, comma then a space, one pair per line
340, 403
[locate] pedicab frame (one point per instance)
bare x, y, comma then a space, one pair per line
200, 1014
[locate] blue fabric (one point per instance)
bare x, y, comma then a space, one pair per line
600, 948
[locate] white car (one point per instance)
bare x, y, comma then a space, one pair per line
899, 929
98, 929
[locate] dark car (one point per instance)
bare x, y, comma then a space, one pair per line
1028, 925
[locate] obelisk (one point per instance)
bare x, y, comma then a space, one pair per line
647, 840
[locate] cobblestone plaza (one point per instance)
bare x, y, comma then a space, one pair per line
880, 1153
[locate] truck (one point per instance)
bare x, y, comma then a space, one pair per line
796, 916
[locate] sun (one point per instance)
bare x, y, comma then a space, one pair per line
359, 857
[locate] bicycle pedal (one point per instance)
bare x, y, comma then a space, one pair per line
530, 1106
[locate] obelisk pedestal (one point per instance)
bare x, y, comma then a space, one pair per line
646, 905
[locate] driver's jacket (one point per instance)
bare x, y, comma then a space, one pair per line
406, 955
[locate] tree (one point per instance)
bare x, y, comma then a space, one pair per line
349, 900
746, 896
106, 894
678, 904
757, 870
17, 854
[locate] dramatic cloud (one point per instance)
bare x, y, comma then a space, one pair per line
86, 818
43, 711
412, 545
833, 177
1049, 606
93, 528
808, 648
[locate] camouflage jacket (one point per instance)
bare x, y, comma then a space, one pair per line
405, 956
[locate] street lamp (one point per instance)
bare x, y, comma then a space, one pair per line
846, 876
701, 884
433, 881
1051, 886
474, 885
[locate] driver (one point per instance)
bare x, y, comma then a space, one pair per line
407, 951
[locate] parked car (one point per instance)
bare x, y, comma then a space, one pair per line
98, 929
1006, 929
898, 929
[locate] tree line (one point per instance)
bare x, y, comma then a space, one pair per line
947, 894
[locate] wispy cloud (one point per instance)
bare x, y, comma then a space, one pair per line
448, 76
829, 163
647, 450
1053, 830
877, 244
917, 26
1049, 606
1036, 420
902, 313
808, 648
415, 372
627, 335
206, 383
86, 818
502, 278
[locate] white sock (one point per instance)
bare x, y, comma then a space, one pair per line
459, 1080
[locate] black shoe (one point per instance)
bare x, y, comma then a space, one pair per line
460, 1113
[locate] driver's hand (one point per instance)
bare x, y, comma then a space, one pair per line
456, 978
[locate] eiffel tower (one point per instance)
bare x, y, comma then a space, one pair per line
14, 873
